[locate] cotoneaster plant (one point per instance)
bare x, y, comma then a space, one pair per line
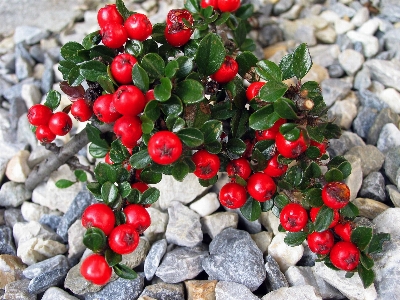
189, 96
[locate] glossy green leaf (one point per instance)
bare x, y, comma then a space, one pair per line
366, 261
324, 219
190, 91
211, 130
91, 70
152, 110
140, 159
134, 47
150, 177
64, 183
367, 276
124, 188
313, 197
313, 152
53, 99
350, 211
245, 11
236, 146
284, 109
192, 6
149, 196
269, 71
162, 92
118, 152
185, 66
147, 124
361, 237
333, 175
345, 168
210, 54
246, 60
263, 118
191, 137
80, 175
259, 160
133, 196
94, 136
294, 176
94, 188
214, 147
172, 107
65, 67
239, 123
97, 151
313, 170
106, 83
377, 241
295, 238
91, 39
70, 51
266, 205
171, 68
223, 18
281, 201
109, 192
140, 78
180, 170
157, 36
100, 51
154, 65
315, 133
286, 65
332, 131
239, 34
75, 77
124, 272
125, 13
175, 124
251, 210
104, 172
112, 258
290, 131
94, 239
222, 110
302, 62
272, 91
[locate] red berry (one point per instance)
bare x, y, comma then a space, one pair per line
81, 110
321, 242
129, 130
207, 164
138, 27
261, 187
240, 167
270, 133
207, 3
113, 35
60, 123
99, 215
320, 146
293, 217
129, 100
274, 168
343, 231
164, 147
140, 186
137, 216
228, 5
39, 114
149, 95
123, 239
253, 89
345, 256
177, 16
315, 210
121, 68
290, 149
44, 134
227, 71
177, 33
336, 194
109, 14
104, 109
232, 195
107, 159
95, 269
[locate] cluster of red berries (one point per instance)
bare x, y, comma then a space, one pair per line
222, 5
122, 239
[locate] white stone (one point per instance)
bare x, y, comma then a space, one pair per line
215, 223
270, 221
351, 61
369, 27
75, 239
38, 249
330, 16
293, 293
33, 212
388, 138
388, 222
31, 94
206, 205
158, 226
392, 98
326, 35
57, 293
263, 240
24, 231
361, 16
370, 43
17, 168
173, 190
343, 113
13, 194
354, 181
284, 255
227, 290
342, 26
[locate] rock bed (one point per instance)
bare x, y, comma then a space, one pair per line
194, 249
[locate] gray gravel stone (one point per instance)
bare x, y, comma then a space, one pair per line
270, 34
29, 34
57, 293
13, 194
164, 291
343, 113
394, 194
342, 10
343, 144
392, 164
362, 80
234, 256
371, 158
154, 257
386, 72
334, 89
370, 43
275, 278
388, 222
373, 187
7, 245
354, 181
13, 216
50, 278
335, 71
228, 290
364, 120
384, 117
388, 138
294, 293
50, 220
282, 6
371, 100
56, 262
18, 290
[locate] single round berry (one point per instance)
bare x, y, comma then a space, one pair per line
129, 130
121, 68
60, 123
138, 27
336, 194
123, 239
315, 210
95, 269
109, 14
290, 149
274, 168
343, 231
239, 167
107, 159
261, 187
99, 215
253, 89
137, 216
270, 133
104, 109
293, 217
140, 186
113, 35
207, 3
207, 164
345, 256
129, 100
177, 33
149, 95
164, 147
227, 70
44, 134
178, 15
232, 195
228, 5
39, 114
321, 242
81, 110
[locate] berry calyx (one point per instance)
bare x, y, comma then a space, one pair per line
336, 194
99, 215
123, 239
138, 27
39, 114
95, 269
293, 217
232, 195
321, 242
261, 187
345, 256
121, 68
239, 167
137, 216
60, 123
315, 210
81, 110
164, 147
207, 164
290, 149
227, 71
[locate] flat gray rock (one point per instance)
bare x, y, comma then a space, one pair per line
154, 257
164, 291
227, 290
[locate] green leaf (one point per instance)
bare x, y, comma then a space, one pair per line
157, 36
80, 175
70, 51
210, 54
222, 110
267, 148
332, 131
91, 39
94, 136
154, 65
100, 51
118, 152
172, 107
180, 170
361, 237
302, 62
122, 173
124, 189
295, 238
222, 18
236, 146
377, 241
315, 133
350, 211
245, 11
266, 205
208, 182
290, 131
64, 183
109, 192
197, 114
152, 111
65, 67
106, 83
112, 258
367, 276
171, 68
191, 137
94, 239
134, 47
313, 197
286, 65
150, 177
366, 261
259, 158
124, 272
345, 168
294, 176
192, 6
214, 147
185, 66
97, 151
333, 175
104, 172
240, 33
272, 91
283, 107
162, 92
269, 71
251, 210
125, 13
336, 161
313, 170
281, 201
211, 130
140, 78
53, 99
246, 60
174, 123
147, 124
149, 196
190, 91
239, 123
140, 159
133, 196
264, 118
74, 77
324, 219
94, 188
91, 70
